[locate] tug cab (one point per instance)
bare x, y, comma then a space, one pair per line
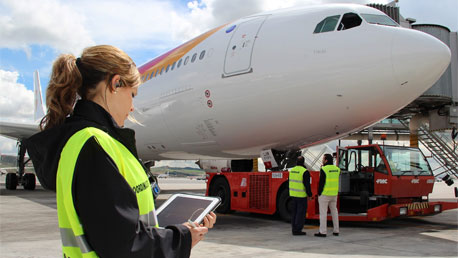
373, 175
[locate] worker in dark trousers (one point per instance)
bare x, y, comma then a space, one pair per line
299, 189
328, 189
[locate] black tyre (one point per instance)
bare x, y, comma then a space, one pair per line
284, 205
221, 189
29, 181
11, 181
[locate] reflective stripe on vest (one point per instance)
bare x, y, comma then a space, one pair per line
296, 185
331, 186
74, 243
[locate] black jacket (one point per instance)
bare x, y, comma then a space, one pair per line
105, 203
306, 181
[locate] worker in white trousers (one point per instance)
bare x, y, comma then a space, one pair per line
328, 189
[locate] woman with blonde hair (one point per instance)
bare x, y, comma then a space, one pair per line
105, 203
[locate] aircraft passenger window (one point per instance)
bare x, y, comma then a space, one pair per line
179, 63
173, 66
167, 69
193, 57
186, 60
328, 24
349, 20
202, 54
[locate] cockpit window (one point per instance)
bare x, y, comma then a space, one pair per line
379, 19
328, 24
349, 20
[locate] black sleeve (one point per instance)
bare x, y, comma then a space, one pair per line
108, 210
322, 181
306, 180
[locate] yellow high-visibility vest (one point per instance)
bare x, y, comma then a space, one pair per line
296, 185
74, 242
331, 186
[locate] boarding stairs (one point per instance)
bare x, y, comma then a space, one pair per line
441, 148
312, 156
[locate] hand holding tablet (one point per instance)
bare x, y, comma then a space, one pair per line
190, 210
181, 208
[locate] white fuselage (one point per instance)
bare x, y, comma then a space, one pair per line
272, 83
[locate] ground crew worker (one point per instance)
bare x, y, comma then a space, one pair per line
105, 203
328, 188
299, 189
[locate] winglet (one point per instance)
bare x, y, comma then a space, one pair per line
38, 109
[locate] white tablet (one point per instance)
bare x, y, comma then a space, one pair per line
180, 208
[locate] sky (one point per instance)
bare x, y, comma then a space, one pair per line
33, 33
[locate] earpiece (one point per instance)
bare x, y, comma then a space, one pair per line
117, 85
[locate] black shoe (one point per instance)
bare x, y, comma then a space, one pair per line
300, 233
335, 234
320, 235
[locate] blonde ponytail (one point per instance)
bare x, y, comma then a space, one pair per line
72, 77
62, 91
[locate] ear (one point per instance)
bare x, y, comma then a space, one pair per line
115, 82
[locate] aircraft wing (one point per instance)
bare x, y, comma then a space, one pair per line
18, 131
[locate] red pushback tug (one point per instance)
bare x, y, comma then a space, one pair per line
377, 182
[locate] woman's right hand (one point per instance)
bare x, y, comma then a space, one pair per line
197, 233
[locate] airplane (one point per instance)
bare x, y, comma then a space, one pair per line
281, 80
272, 83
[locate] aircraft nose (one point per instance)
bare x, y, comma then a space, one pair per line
419, 59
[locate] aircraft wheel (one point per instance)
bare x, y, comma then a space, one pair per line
284, 205
29, 182
222, 190
11, 181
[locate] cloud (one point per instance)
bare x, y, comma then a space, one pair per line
68, 27
16, 102
47, 22
131, 25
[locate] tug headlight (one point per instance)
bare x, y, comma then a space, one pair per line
437, 208
403, 211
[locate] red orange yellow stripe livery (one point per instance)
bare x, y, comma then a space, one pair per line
150, 69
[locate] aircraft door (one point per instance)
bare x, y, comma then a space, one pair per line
240, 48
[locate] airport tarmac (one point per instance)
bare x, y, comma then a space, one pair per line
28, 228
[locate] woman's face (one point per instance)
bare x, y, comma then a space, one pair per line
122, 103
